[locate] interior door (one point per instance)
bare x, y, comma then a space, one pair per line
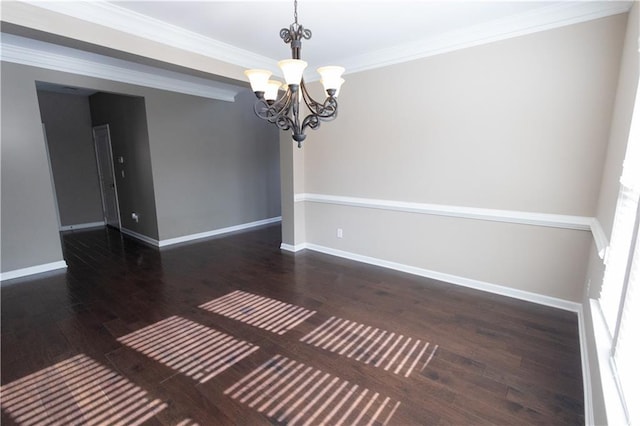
109, 191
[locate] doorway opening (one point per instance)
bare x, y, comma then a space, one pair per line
93, 144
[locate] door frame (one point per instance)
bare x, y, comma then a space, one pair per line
53, 181
113, 172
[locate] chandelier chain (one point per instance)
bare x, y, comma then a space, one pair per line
295, 11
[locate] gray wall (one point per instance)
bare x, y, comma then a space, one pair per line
73, 161
127, 120
219, 169
29, 226
520, 124
214, 163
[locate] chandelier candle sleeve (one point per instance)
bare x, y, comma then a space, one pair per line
331, 77
292, 70
284, 110
258, 79
337, 89
271, 91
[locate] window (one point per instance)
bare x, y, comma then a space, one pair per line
619, 296
619, 254
626, 351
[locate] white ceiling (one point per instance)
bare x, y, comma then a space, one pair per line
341, 29
357, 34
346, 31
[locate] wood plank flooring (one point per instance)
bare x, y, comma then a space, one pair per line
232, 330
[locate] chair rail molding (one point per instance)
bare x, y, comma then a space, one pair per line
582, 223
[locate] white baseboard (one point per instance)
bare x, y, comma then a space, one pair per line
215, 232
453, 279
31, 270
586, 370
200, 235
82, 226
138, 236
37, 269
292, 248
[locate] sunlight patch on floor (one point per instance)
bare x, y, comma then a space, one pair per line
78, 390
380, 348
199, 352
258, 311
290, 392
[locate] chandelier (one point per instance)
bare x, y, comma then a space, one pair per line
284, 110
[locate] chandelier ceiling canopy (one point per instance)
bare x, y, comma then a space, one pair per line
283, 110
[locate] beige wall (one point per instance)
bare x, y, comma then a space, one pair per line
535, 259
518, 125
618, 139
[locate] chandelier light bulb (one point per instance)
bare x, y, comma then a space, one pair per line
292, 70
271, 92
331, 77
259, 79
337, 89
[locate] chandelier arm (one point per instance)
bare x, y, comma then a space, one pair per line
329, 109
280, 114
311, 121
262, 109
283, 122
273, 112
326, 111
311, 103
281, 105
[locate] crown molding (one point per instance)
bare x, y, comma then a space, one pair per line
546, 18
552, 16
25, 51
118, 18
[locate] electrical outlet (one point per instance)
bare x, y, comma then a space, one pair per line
339, 233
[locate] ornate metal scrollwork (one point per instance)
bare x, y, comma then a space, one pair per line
284, 112
294, 32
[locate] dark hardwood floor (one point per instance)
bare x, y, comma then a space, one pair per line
232, 330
